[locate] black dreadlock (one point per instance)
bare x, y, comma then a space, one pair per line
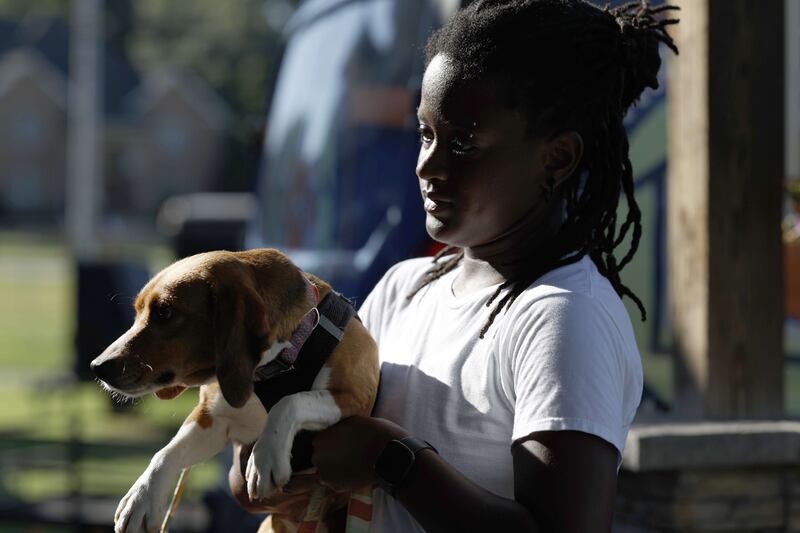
570, 66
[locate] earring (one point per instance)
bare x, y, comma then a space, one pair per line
548, 186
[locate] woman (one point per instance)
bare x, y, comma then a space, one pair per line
512, 356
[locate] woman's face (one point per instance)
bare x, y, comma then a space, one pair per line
480, 173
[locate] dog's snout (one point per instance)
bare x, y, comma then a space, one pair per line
107, 370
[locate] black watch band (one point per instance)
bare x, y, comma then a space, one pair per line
417, 445
396, 460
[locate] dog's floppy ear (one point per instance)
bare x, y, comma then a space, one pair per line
239, 324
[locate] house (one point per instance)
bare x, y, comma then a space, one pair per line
32, 133
179, 137
164, 132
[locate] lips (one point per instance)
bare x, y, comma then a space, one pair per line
435, 202
430, 206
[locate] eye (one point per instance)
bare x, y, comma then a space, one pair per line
164, 311
462, 146
425, 134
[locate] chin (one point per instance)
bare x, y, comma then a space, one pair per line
446, 235
438, 235
455, 243
439, 231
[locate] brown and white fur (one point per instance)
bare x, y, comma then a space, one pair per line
209, 320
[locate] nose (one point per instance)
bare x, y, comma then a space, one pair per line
107, 370
432, 162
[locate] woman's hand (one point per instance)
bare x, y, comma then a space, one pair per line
345, 453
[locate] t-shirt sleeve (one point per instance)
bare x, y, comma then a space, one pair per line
565, 358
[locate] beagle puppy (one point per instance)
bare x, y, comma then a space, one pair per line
211, 320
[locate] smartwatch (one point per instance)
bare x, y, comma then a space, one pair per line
396, 460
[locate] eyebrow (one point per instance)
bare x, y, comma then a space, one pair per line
452, 124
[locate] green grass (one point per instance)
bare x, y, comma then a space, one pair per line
116, 447
36, 460
95, 477
35, 310
41, 413
65, 406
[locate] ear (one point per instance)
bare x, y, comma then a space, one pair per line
238, 326
564, 154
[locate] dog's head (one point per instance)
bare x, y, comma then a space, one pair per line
207, 316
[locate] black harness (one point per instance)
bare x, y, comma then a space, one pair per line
278, 378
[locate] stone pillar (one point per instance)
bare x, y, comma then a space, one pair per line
724, 208
726, 477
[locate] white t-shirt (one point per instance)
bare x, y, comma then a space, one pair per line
561, 357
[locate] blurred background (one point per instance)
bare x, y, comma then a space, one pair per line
133, 133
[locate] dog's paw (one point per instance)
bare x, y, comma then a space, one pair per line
268, 470
144, 506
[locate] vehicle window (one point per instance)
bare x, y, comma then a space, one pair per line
341, 143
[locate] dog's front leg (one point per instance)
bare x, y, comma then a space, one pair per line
144, 506
203, 435
269, 467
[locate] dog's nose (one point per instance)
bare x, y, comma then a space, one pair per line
107, 370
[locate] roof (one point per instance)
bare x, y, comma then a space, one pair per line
26, 63
160, 82
49, 36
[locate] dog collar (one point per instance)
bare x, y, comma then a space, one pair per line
335, 313
285, 360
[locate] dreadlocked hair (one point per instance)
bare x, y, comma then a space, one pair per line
569, 66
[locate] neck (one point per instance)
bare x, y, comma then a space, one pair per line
508, 257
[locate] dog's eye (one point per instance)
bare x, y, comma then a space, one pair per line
164, 311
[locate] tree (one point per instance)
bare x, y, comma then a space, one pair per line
229, 44
235, 47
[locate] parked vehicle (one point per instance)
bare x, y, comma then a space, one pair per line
337, 189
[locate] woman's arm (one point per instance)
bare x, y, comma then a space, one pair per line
567, 479
561, 478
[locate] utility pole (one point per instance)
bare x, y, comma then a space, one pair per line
725, 187
84, 154
792, 103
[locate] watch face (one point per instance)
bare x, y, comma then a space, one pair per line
394, 462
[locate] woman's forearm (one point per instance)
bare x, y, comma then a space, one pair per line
441, 498
436, 494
